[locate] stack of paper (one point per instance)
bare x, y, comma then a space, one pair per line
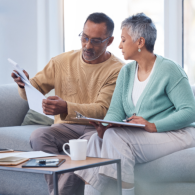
34, 96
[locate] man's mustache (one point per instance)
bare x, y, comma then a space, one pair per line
88, 50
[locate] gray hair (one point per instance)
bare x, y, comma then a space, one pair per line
140, 25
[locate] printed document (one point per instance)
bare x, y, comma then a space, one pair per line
34, 96
33, 154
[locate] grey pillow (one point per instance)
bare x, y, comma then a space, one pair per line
35, 118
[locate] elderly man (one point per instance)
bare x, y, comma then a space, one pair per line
84, 81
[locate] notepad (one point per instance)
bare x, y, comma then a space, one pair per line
12, 161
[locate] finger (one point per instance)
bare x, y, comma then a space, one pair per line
19, 81
137, 121
27, 75
53, 97
49, 102
48, 111
100, 124
134, 122
113, 125
48, 107
13, 75
134, 117
94, 124
108, 126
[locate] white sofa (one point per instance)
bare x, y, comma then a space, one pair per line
173, 174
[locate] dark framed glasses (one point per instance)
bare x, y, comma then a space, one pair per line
94, 42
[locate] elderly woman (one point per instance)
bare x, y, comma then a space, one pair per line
151, 90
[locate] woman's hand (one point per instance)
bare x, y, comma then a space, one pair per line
100, 128
150, 127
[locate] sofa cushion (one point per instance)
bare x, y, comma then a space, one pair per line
35, 118
175, 167
13, 107
172, 174
17, 137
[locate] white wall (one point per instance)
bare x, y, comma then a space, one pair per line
50, 30
18, 36
173, 30
31, 32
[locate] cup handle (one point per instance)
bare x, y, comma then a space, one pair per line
65, 149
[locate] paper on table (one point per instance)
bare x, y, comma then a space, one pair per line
5, 155
33, 154
34, 96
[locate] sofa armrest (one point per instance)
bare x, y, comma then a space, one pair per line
12, 107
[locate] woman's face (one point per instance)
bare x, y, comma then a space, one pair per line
129, 48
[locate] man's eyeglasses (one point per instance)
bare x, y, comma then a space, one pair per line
94, 42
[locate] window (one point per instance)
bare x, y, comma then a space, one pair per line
75, 16
189, 39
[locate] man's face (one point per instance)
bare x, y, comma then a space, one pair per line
95, 31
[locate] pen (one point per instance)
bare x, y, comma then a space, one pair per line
46, 161
127, 120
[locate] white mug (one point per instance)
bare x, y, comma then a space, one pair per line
78, 149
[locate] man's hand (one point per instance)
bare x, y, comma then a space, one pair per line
150, 127
18, 80
100, 128
54, 105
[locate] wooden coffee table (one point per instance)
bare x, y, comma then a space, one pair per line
70, 166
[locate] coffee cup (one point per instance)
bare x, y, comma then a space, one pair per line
78, 149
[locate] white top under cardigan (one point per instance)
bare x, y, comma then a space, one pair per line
139, 86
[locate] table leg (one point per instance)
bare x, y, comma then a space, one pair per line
55, 183
119, 178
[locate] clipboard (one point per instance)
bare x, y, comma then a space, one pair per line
83, 118
32, 163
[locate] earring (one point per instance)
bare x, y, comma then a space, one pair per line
139, 50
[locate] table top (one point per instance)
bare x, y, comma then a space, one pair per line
68, 166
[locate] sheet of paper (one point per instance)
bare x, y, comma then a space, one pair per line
16, 67
35, 99
33, 154
34, 96
5, 155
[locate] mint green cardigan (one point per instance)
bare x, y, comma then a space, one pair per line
167, 100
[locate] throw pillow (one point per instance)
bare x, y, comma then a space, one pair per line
35, 118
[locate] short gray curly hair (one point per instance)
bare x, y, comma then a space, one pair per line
140, 25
